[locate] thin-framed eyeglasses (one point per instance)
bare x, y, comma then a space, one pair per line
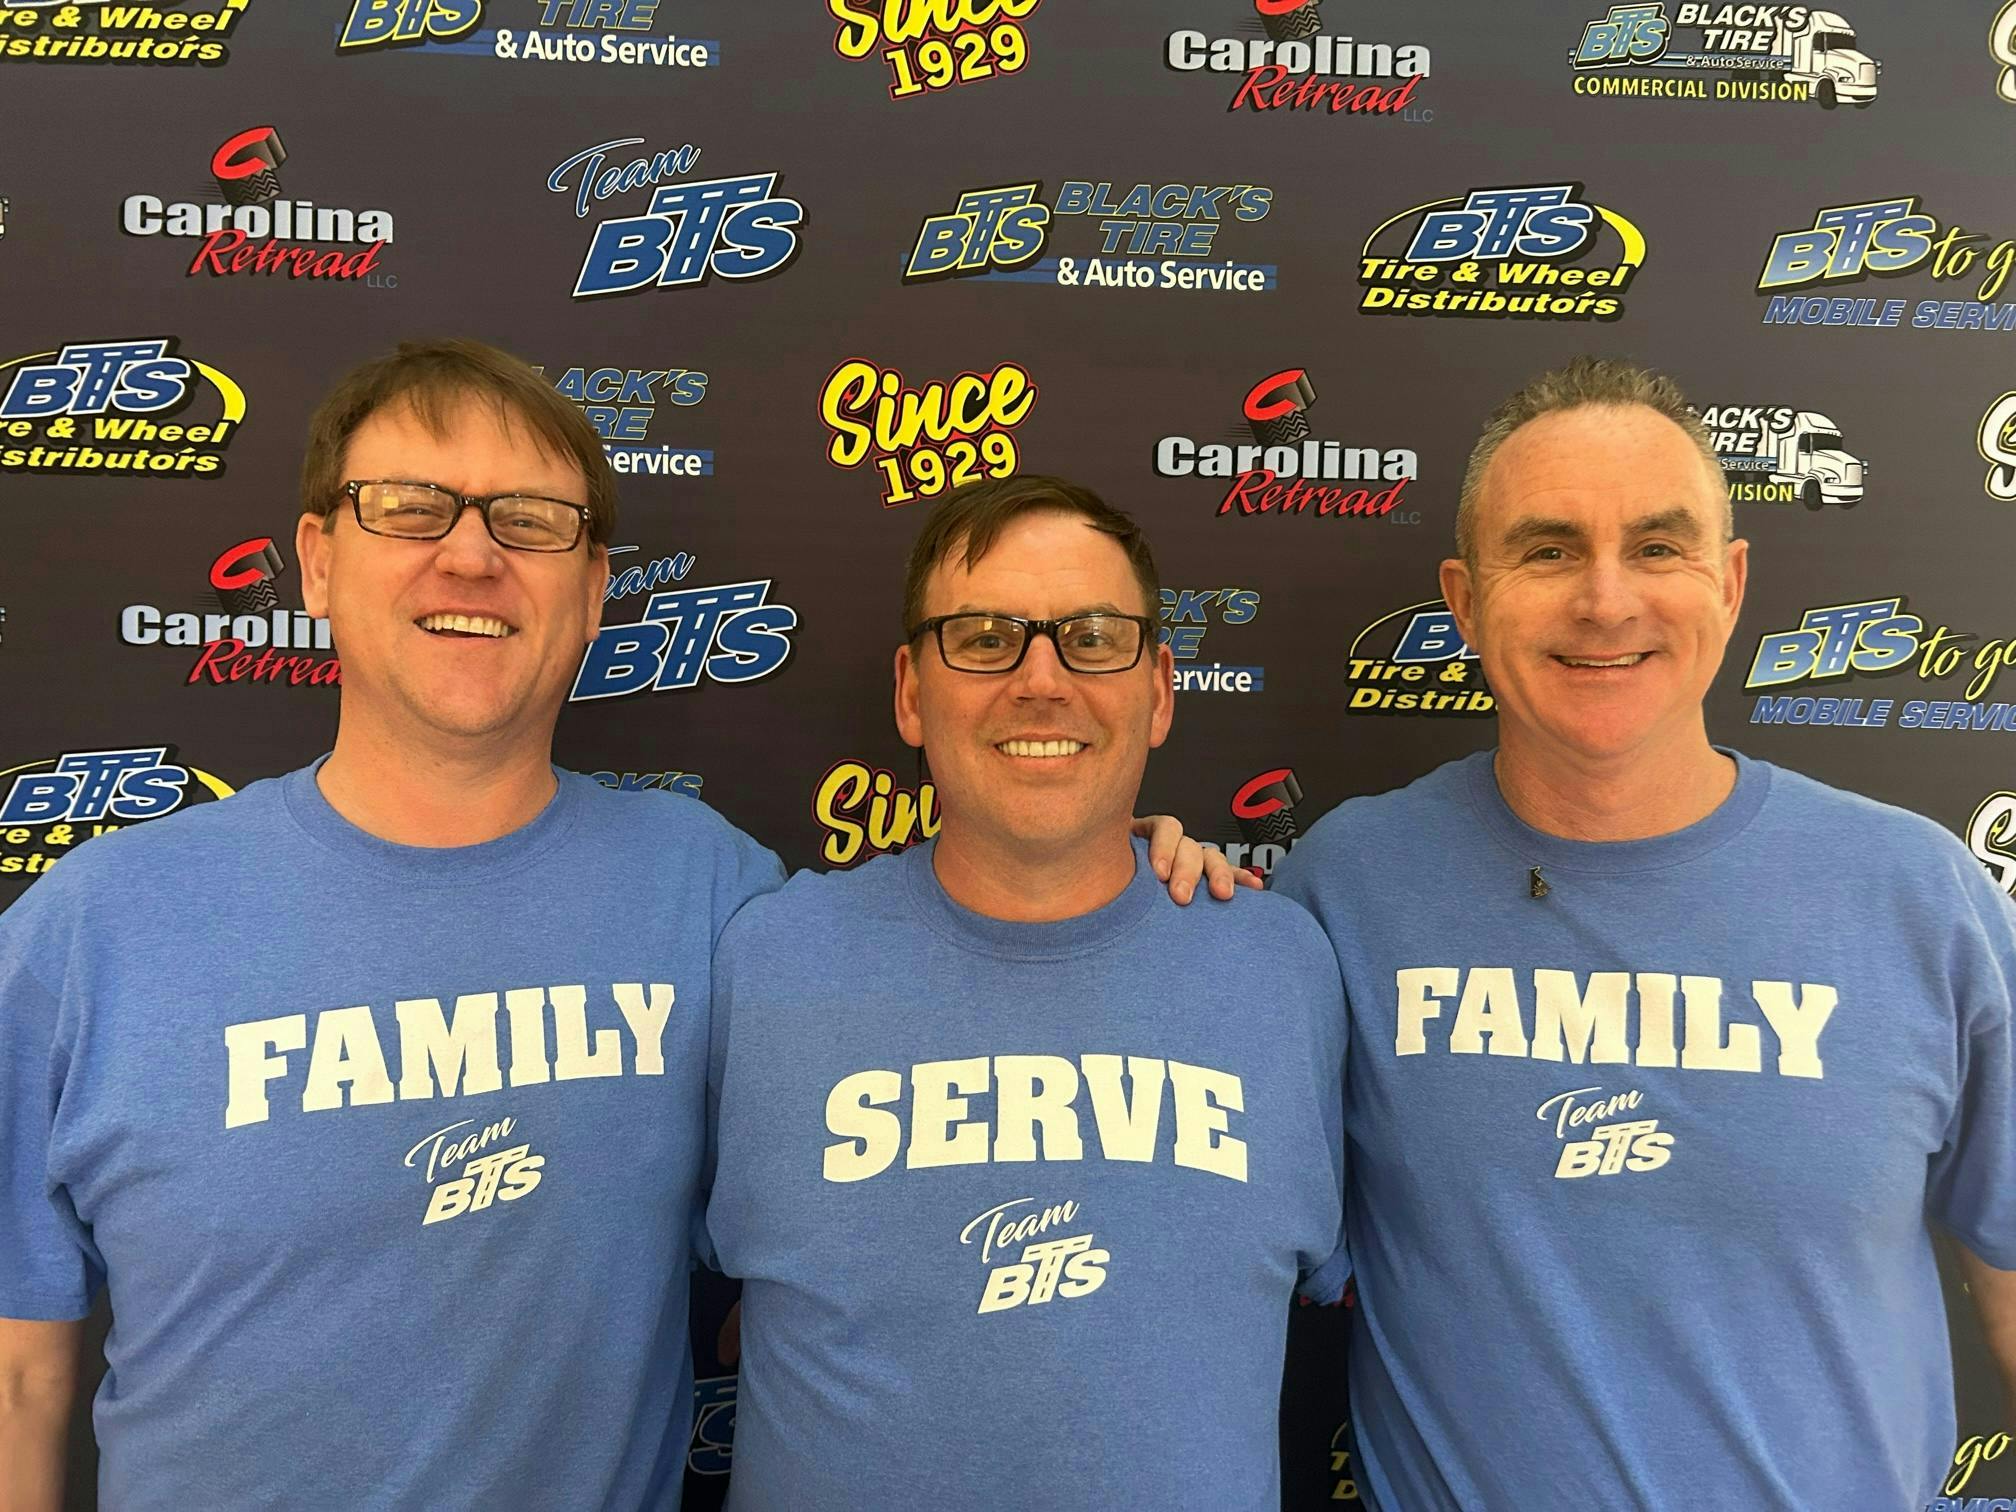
993, 643
413, 511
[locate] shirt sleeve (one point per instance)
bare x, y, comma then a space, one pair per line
1972, 1185
48, 1271
1324, 1274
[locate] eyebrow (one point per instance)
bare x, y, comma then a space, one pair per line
1677, 521
1101, 608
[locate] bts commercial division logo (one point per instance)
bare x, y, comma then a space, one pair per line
621, 404
1847, 245
48, 807
866, 811
1880, 638
98, 31
1529, 252
1415, 661
925, 440
620, 32
248, 617
134, 405
1777, 454
1991, 836
931, 45
1996, 441
1283, 447
1295, 65
1763, 54
1140, 236
689, 230
257, 231
1187, 615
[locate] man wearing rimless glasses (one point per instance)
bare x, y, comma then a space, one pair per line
1019, 1208
393, 1186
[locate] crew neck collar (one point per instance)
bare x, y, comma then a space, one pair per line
1027, 942
446, 866
1538, 848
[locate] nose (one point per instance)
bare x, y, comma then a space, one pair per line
1041, 674
467, 550
1606, 593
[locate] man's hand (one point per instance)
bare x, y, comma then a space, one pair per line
1180, 861
38, 1375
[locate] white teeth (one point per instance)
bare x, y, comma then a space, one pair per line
468, 624
1616, 661
1041, 747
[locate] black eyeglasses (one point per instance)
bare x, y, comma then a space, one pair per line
1092, 643
427, 512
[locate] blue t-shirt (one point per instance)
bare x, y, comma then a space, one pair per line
1020, 1208
1640, 1169
387, 1154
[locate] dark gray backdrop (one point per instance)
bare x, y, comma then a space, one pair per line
458, 146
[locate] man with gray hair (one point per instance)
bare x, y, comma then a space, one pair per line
1641, 1158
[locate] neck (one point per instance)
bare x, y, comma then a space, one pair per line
1027, 885
442, 792
1629, 797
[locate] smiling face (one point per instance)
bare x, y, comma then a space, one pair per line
460, 638
1042, 760
1603, 593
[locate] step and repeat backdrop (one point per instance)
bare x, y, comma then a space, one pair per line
1254, 270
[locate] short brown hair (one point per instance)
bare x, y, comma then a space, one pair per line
973, 517
1584, 381
431, 377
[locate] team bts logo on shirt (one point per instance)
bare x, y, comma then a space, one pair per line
1610, 1144
487, 1178
1047, 1268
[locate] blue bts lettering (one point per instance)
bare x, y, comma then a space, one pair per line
90, 378
1629, 34
1543, 221
990, 227
1836, 640
728, 226
89, 785
1432, 636
385, 23
675, 642
1848, 241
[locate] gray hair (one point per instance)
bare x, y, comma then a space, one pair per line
1582, 382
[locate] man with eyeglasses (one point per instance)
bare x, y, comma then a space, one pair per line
1018, 1205
392, 1186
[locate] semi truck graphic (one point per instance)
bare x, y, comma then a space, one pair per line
1772, 454
1795, 44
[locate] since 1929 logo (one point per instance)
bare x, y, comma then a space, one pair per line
931, 45
927, 440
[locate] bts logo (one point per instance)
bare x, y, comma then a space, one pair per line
1836, 640
1277, 407
1637, 1146
1432, 635
1848, 241
87, 786
729, 633
394, 23
713, 1449
89, 378
988, 228
1542, 221
1629, 34
244, 166
1048, 1269
503, 1177
732, 226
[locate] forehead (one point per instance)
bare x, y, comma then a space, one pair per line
478, 447
1041, 564
1599, 464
